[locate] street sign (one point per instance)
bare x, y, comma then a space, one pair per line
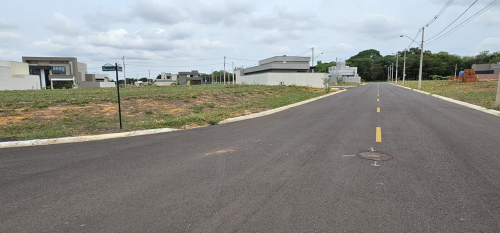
110, 67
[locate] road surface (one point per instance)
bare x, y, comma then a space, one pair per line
294, 171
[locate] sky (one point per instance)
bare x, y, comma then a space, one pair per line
173, 36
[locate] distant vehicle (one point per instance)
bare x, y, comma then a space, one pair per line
140, 83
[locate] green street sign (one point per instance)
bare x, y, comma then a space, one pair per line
111, 67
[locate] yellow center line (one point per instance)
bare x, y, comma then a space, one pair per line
378, 109
378, 137
378, 94
378, 100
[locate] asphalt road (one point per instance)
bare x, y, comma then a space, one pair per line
287, 172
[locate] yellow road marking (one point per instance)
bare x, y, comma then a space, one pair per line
378, 95
378, 136
378, 109
378, 100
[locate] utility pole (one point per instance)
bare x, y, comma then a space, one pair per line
388, 74
455, 72
421, 60
212, 76
149, 75
224, 70
404, 68
336, 69
397, 61
124, 77
232, 67
312, 59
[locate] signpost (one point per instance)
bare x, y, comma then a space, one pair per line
116, 67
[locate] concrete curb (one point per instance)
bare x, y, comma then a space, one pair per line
39, 142
272, 111
465, 104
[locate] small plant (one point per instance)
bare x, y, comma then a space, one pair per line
210, 105
149, 112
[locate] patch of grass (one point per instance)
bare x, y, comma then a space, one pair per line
172, 106
478, 93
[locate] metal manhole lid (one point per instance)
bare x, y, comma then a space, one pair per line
374, 155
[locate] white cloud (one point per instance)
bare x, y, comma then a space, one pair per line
102, 19
281, 50
10, 38
490, 44
5, 25
162, 12
63, 25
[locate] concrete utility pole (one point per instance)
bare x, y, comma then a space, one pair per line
149, 74
212, 76
397, 61
455, 72
388, 74
312, 60
224, 70
404, 68
234, 76
124, 77
421, 60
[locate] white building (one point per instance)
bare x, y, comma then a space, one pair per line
166, 79
346, 73
281, 70
16, 76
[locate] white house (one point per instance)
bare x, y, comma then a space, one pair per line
16, 76
281, 70
346, 73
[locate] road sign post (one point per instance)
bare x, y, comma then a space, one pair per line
116, 68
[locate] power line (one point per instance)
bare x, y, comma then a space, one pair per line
240, 59
465, 22
414, 38
453, 21
439, 13
303, 52
132, 64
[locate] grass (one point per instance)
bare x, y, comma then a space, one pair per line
478, 93
72, 112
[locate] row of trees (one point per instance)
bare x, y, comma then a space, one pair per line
217, 76
373, 66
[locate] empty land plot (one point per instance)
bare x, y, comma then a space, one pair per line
478, 93
74, 112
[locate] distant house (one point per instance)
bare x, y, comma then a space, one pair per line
166, 79
189, 78
281, 70
346, 73
16, 76
53, 69
486, 72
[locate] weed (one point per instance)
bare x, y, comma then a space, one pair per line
149, 112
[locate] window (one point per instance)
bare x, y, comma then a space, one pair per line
58, 70
168, 77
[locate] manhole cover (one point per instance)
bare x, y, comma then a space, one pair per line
374, 155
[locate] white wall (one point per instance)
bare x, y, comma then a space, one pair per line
299, 79
17, 80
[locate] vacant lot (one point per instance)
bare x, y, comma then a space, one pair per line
478, 93
58, 113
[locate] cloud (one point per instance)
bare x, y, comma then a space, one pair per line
63, 25
284, 19
376, 26
101, 19
281, 50
4, 25
162, 12
10, 38
227, 12
490, 44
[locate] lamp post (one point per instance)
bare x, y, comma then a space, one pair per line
421, 57
404, 68
313, 61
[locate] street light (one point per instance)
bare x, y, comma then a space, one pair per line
315, 59
421, 57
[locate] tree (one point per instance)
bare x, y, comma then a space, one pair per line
144, 79
158, 77
323, 67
